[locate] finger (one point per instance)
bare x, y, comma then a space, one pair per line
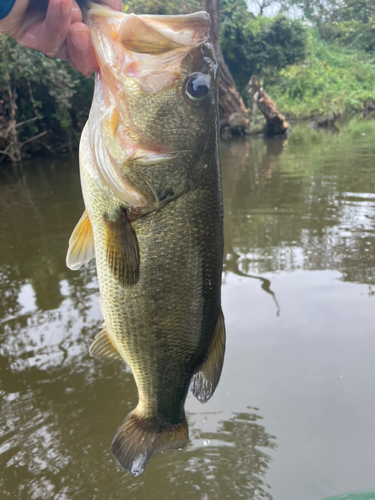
76, 13
49, 35
81, 54
114, 4
63, 53
57, 23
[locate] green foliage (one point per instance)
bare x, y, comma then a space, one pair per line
45, 94
338, 72
354, 34
332, 79
320, 12
258, 45
161, 7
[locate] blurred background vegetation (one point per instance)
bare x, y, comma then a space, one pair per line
312, 57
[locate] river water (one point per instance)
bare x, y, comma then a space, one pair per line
293, 416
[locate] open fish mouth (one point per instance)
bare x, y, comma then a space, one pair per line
159, 34
149, 48
153, 34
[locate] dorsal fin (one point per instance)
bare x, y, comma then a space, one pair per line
204, 382
122, 249
102, 346
81, 244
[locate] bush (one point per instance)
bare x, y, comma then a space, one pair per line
41, 95
257, 45
161, 7
352, 34
331, 79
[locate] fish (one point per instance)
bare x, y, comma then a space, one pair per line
153, 219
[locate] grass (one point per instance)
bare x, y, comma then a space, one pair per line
332, 79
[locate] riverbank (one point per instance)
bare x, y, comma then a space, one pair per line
331, 81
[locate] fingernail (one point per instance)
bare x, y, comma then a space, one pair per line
81, 41
65, 7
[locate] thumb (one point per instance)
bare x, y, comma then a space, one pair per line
80, 49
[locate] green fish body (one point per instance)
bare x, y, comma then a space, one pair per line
151, 183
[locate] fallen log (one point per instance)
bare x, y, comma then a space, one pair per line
276, 123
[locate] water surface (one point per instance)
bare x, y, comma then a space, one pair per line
293, 416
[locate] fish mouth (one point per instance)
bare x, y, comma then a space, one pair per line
159, 34
152, 34
149, 48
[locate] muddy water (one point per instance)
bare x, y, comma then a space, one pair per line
293, 417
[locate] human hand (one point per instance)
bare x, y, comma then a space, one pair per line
54, 27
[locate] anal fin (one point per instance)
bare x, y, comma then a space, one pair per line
205, 381
122, 249
81, 244
102, 346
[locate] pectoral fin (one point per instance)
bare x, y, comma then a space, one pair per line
102, 346
81, 244
205, 381
122, 249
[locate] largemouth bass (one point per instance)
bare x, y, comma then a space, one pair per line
151, 184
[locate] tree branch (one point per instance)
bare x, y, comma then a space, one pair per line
33, 138
4, 152
27, 121
344, 7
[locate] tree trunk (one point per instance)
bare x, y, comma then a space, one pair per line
276, 123
231, 105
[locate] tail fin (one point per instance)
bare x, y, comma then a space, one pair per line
137, 440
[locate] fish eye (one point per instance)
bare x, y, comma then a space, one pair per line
197, 87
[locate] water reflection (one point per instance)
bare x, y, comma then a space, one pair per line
238, 458
235, 159
312, 208
330, 129
51, 447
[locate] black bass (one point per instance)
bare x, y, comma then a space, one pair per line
151, 183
